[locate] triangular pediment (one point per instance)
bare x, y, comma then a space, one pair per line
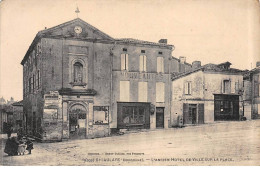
76, 28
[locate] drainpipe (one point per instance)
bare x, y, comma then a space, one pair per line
170, 84
62, 85
111, 83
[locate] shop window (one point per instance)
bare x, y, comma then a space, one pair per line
160, 65
133, 115
78, 72
187, 88
142, 63
124, 61
101, 114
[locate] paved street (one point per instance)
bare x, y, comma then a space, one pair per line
222, 143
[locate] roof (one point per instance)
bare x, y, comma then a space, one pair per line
209, 68
137, 41
257, 69
19, 103
46, 33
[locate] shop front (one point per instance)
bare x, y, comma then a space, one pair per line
133, 115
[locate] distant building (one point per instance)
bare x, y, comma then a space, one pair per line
12, 114
252, 93
18, 118
2, 101
206, 94
81, 83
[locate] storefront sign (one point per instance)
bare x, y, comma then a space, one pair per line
141, 76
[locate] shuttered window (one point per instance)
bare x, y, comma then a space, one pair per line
142, 91
187, 88
124, 61
124, 91
160, 92
142, 63
160, 66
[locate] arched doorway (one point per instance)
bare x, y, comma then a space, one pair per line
77, 121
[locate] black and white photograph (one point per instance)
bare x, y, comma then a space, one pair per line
130, 83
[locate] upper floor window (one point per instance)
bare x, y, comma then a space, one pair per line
226, 86
160, 66
142, 63
78, 72
160, 91
33, 89
38, 79
124, 61
187, 88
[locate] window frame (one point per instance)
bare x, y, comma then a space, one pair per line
187, 91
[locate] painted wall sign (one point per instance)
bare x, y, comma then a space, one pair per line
141, 76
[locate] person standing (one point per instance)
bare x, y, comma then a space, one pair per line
9, 130
29, 144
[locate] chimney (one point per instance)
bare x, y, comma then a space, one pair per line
196, 64
258, 64
182, 59
163, 41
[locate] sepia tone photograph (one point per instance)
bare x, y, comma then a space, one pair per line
130, 83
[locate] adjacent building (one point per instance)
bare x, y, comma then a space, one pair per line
206, 94
81, 83
252, 93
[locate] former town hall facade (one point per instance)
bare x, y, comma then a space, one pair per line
81, 83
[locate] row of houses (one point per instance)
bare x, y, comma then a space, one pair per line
79, 82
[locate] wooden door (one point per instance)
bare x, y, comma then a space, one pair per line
159, 117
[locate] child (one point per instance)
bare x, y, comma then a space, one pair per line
29, 144
21, 148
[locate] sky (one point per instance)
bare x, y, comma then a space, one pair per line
211, 31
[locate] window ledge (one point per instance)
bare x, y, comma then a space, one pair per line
78, 84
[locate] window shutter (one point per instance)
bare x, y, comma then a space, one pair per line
158, 64
162, 65
141, 63
186, 88
185, 112
201, 113
122, 61
144, 63
126, 60
233, 86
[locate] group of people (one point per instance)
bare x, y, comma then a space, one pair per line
17, 145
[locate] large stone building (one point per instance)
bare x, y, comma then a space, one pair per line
81, 83
252, 93
206, 94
